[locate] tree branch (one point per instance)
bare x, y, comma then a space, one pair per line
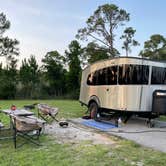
98, 40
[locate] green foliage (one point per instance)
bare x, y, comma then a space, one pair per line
29, 78
4, 23
155, 48
52, 80
72, 57
102, 24
8, 47
93, 52
9, 80
128, 39
54, 73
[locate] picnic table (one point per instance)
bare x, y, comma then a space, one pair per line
23, 122
17, 112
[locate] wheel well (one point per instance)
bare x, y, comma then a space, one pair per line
92, 101
95, 99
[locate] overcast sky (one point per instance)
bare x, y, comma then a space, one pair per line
46, 25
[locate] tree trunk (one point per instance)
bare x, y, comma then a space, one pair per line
111, 48
126, 52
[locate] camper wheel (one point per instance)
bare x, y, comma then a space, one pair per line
93, 109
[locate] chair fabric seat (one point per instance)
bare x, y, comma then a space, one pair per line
28, 123
45, 111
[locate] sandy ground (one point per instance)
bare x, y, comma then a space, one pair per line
137, 130
75, 134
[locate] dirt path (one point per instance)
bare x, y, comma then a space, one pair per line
75, 134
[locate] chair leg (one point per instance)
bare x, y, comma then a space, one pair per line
15, 137
43, 117
49, 118
28, 138
54, 118
14, 133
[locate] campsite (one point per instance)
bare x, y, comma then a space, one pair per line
82, 83
64, 151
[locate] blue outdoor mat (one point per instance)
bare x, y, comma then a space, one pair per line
98, 125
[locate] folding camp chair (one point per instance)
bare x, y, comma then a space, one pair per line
1, 128
28, 128
46, 112
5, 132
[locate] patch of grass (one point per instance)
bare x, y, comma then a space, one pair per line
134, 153
162, 118
125, 153
68, 108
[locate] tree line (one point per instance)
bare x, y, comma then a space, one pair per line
59, 75
51, 80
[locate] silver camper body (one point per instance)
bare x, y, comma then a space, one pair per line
122, 83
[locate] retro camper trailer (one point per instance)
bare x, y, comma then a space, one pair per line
122, 84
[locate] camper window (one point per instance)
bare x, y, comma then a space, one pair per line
158, 75
112, 75
105, 76
133, 74
128, 74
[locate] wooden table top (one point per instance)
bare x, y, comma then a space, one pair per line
17, 112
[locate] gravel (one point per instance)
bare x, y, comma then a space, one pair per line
75, 134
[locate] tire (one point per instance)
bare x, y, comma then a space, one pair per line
93, 109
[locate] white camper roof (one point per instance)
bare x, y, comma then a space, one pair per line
124, 60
